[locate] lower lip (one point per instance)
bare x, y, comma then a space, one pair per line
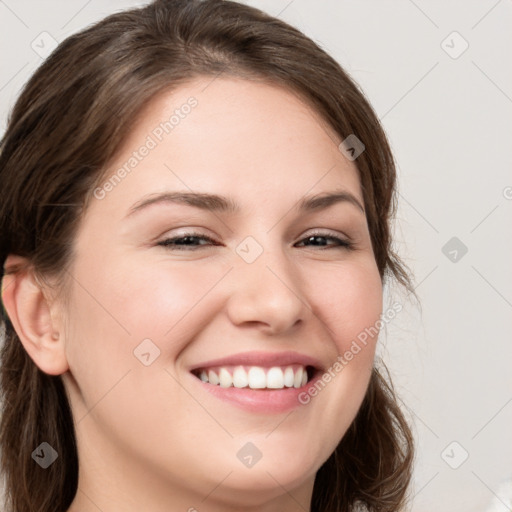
259, 400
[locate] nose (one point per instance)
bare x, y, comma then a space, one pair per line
267, 294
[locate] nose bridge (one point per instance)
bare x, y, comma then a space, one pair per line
266, 286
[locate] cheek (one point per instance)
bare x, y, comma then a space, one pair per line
348, 300
349, 305
163, 301
169, 300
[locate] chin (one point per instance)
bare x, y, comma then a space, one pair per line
269, 469
256, 486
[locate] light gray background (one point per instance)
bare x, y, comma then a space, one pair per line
449, 120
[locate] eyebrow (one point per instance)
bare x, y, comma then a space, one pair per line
221, 204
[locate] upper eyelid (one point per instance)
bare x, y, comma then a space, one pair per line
200, 233
317, 232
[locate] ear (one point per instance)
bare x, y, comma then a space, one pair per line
31, 315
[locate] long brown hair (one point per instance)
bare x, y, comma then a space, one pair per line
64, 129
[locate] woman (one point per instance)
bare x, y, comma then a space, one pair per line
195, 225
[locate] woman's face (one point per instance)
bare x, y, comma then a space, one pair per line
257, 293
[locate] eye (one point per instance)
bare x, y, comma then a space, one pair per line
180, 243
188, 241
320, 236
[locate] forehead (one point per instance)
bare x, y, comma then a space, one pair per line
251, 140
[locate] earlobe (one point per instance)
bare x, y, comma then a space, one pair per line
30, 313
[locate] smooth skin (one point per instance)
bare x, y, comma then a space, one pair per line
149, 437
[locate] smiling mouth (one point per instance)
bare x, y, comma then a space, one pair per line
257, 377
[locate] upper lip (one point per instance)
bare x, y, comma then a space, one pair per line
265, 359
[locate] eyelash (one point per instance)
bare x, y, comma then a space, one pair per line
168, 243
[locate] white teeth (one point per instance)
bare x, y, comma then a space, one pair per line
225, 378
256, 377
297, 381
275, 378
240, 379
288, 377
213, 378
